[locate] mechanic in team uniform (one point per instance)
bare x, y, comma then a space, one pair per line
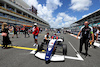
98, 34
35, 34
26, 32
15, 31
86, 31
47, 38
95, 31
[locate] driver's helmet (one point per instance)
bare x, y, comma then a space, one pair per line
55, 36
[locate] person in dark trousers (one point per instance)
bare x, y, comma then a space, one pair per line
26, 32
47, 38
95, 30
19, 30
15, 32
5, 34
86, 32
98, 35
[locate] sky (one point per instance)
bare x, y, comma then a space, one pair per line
62, 13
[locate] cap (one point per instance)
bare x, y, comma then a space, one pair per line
35, 24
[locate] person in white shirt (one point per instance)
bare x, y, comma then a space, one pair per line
47, 38
98, 34
95, 31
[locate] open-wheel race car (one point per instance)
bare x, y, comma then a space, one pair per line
52, 45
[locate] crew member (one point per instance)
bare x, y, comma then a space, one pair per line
95, 31
15, 31
98, 35
86, 32
26, 32
47, 38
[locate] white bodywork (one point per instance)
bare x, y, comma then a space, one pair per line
60, 40
53, 58
97, 44
51, 43
41, 55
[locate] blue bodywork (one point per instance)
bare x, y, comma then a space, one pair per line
49, 53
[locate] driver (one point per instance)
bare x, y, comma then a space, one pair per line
55, 36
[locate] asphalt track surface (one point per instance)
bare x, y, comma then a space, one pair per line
19, 55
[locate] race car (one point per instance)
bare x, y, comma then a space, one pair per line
51, 49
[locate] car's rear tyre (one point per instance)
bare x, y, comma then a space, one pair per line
62, 38
64, 49
40, 46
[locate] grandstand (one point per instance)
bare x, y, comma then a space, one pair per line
16, 12
92, 18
